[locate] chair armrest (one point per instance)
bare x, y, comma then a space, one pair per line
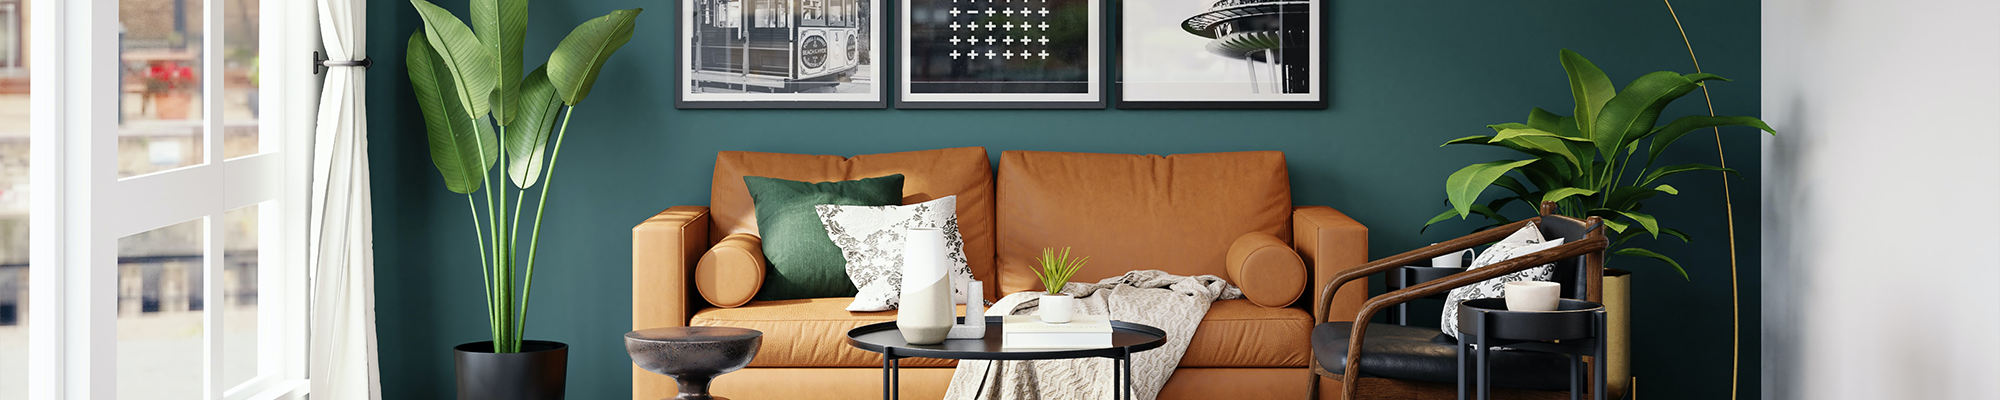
665, 250
1343, 277
1329, 242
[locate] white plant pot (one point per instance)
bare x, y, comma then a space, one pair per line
1056, 309
924, 314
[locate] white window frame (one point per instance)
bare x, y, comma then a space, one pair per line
82, 207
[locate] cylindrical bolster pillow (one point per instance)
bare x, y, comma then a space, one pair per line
1269, 271
731, 272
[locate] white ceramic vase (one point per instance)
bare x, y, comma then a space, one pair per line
924, 315
1056, 309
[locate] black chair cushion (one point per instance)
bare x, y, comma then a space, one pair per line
1425, 354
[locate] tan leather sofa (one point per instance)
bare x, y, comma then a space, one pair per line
1180, 214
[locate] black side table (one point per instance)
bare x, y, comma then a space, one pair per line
1126, 338
693, 355
1575, 328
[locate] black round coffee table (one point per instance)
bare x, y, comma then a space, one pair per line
1126, 338
693, 355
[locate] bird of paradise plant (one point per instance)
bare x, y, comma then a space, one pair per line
476, 103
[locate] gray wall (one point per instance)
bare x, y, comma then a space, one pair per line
1879, 201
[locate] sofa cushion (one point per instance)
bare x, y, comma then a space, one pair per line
804, 263
1238, 333
807, 332
1268, 271
1130, 212
927, 175
813, 332
732, 271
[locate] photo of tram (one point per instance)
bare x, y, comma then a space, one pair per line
778, 47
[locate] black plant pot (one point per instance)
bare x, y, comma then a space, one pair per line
535, 373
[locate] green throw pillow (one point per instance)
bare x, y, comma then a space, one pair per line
804, 263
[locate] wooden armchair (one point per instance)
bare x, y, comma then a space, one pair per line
1405, 362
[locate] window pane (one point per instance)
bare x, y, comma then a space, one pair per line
13, 201
239, 295
160, 306
240, 80
160, 107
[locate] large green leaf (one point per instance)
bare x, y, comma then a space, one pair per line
1564, 193
528, 136
1532, 132
1589, 87
470, 64
1645, 221
1626, 197
574, 65
1631, 113
1474, 139
1464, 186
502, 26
1448, 213
1638, 252
1513, 185
455, 142
1675, 169
1673, 131
1544, 120
1547, 147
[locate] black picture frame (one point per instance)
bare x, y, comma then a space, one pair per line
1096, 97
796, 84
1314, 72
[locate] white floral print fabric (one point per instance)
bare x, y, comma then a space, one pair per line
871, 239
1523, 242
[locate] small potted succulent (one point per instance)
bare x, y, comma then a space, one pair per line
1055, 271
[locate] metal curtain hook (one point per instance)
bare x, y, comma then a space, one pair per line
320, 63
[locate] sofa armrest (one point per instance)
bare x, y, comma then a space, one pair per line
1330, 242
665, 250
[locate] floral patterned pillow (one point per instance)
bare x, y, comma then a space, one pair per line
1523, 242
872, 239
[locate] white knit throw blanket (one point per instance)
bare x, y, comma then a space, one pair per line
1172, 303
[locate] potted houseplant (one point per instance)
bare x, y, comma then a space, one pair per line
1584, 164
168, 84
1054, 270
476, 103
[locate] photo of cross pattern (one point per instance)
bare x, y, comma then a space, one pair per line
1000, 46
1031, 44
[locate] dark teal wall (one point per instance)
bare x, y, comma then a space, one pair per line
1406, 76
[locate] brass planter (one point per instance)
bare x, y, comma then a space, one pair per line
1618, 309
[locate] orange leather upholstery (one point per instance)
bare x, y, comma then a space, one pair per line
927, 175
1129, 212
1331, 242
731, 272
1182, 214
807, 332
1238, 333
1268, 271
664, 251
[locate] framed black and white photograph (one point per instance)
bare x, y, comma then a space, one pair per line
780, 54
1260, 54
1001, 54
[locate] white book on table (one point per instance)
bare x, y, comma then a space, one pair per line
1029, 332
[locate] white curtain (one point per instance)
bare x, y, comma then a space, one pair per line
343, 364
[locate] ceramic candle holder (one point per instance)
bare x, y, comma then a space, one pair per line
1532, 295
